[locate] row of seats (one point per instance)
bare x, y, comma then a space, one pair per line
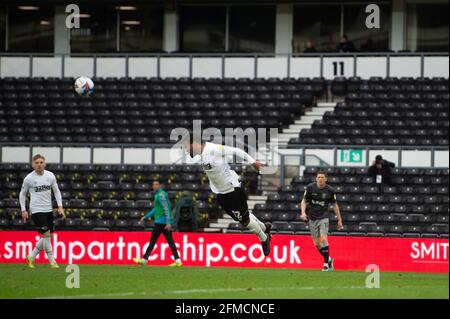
86, 224
114, 196
377, 117
341, 86
417, 205
140, 110
362, 229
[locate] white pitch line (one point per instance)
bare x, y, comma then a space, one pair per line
216, 290
189, 291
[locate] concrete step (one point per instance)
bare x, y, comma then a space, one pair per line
224, 220
279, 142
212, 230
316, 117
218, 225
285, 140
270, 189
307, 119
297, 127
320, 110
257, 197
326, 104
287, 134
301, 122
253, 202
291, 131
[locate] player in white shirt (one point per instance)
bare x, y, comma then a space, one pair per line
40, 184
225, 183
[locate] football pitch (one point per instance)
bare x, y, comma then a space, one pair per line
105, 282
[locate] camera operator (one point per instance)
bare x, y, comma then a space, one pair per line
380, 171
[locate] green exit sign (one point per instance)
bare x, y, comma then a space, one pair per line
351, 156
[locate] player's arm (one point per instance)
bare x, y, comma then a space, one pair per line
303, 204
167, 213
303, 210
149, 214
58, 198
231, 151
337, 212
23, 199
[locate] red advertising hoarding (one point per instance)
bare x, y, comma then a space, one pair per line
233, 250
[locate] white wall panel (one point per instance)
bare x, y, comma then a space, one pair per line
15, 66
142, 67
47, 67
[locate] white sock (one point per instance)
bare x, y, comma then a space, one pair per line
48, 249
261, 224
254, 227
38, 249
178, 260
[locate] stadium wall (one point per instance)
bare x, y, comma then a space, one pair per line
165, 155
327, 66
234, 250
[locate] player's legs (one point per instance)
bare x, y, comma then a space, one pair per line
47, 240
319, 234
323, 229
173, 248
47, 236
235, 204
45, 226
261, 224
157, 230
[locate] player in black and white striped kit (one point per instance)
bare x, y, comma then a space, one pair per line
40, 184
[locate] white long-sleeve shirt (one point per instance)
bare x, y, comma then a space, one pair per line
40, 188
214, 159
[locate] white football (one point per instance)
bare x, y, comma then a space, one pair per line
84, 86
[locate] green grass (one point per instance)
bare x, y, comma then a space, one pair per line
102, 281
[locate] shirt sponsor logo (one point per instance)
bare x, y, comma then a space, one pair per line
42, 188
318, 202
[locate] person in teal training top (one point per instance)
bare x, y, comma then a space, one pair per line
162, 216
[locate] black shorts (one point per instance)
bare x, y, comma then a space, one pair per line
235, 205
43, 222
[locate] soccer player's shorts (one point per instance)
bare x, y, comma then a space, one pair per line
235, 205
319, 227
43, 222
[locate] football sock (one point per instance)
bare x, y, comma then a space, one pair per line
325, 253
254, 227
261, 224
48, 249
38, 249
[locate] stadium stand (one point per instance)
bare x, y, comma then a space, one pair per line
378, 111
384, 111
144, 110
417, 205
113, 196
